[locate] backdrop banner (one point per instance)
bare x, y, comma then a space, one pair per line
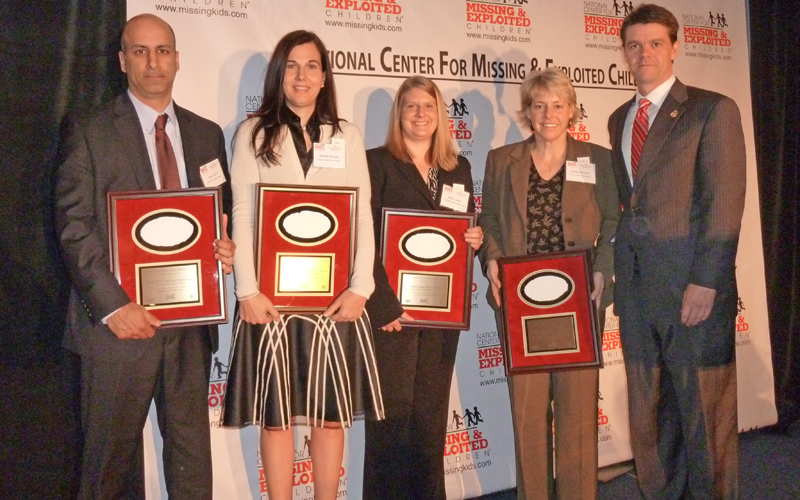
478, 52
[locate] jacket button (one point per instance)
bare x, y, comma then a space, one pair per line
568, 220
570, 243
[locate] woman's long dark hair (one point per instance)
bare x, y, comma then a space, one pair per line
273, 100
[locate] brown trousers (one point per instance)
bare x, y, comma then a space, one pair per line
574, 396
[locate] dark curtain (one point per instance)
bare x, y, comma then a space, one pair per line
56, 57
775, 59
60, 57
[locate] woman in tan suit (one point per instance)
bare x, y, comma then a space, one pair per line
531, 205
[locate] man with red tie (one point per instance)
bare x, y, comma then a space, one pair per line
679, 161
141, 140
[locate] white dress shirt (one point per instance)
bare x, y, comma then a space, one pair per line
147, 119
656, 98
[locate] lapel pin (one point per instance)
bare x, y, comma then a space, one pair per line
674, 114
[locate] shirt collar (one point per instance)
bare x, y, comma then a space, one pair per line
147, 115
291, 119
658, 94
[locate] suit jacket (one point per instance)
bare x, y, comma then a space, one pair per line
397, 184
681, 218
589, 212
103, 153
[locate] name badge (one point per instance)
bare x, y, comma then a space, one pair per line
455, 198
581, 172
330, 155
212, 174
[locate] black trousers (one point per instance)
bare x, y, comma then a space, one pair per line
119, 379
404, 453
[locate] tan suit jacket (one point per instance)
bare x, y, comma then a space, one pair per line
590, 212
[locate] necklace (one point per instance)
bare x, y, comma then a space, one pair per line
550, 166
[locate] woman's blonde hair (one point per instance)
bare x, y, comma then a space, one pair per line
442, 152
551, 80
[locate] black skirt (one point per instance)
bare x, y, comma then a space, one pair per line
303, 370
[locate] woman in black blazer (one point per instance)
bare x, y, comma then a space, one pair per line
404, 452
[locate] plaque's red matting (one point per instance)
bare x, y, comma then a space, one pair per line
514, 271
395, 224
273, 200
204, 206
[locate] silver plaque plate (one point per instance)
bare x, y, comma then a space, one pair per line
164, 285
425, 290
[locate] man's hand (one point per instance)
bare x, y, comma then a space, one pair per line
597, 289
395, 325
133, 321
697, 304
225, 248
494, 279
348, 306
258, 310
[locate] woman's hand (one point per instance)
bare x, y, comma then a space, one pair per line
348, 306
474, 236
597, 289
395, 325
492, 272
258, 310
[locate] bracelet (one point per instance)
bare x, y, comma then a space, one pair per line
242, 299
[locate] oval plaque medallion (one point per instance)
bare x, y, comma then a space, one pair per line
546, 288
166, 231
306, 224
427, 246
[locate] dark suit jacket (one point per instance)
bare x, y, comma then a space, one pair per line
103, 153
397, 184
680, 221
589, 212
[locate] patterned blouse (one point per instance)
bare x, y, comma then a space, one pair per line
545, 231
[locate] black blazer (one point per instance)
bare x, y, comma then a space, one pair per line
397, 184
102, 153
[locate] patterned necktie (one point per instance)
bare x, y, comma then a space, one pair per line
640, 127
165, 156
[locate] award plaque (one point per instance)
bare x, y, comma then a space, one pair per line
429, 265
549, 320
305, 244
161, 247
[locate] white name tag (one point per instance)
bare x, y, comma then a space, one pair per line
212, 174
455, 197
581, 172
330, 155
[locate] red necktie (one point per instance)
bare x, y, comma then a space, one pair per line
165, 156
640, 127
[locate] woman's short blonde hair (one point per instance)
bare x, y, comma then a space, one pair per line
442, 152
551, 80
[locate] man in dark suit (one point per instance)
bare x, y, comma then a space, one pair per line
680, 169
126, 360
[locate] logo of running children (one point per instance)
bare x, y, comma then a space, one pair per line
466, 447
742, 327
705, 33
303, 480
579, 131
217, 384
459, 120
